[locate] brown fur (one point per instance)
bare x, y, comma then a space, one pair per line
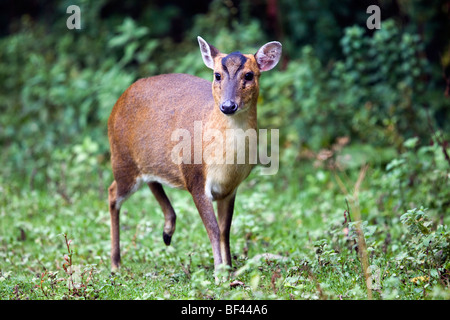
140, 128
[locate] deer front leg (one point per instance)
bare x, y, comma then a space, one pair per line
225, 209
206, 210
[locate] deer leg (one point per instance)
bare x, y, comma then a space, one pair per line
169, 213
225, 209
118, 192
114, 210
206, 210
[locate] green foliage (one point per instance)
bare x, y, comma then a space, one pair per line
383, 73
319, 23
420, 176
52, 98
373, 95
342, 97
428, 250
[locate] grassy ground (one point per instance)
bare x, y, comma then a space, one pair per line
292, 238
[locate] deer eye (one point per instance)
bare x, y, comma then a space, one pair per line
217, 76
248, 76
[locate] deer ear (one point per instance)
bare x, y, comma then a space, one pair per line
268, 55
208, 52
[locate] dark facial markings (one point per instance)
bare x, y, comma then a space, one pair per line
233, 62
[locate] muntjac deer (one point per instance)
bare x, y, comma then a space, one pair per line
141, 127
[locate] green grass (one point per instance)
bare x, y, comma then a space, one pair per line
297, 217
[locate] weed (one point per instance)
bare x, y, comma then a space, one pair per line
76, 283
428, 250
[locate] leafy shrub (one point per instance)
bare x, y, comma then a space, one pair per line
52, 99
428, 250
372, 95
419, 176
373, 99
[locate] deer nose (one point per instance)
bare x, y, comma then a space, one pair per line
228, 107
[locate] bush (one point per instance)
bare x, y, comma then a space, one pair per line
52, 97
428, 250
419, 176
373, 95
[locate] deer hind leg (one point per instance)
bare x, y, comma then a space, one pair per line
118, 192
114, 210
169, 213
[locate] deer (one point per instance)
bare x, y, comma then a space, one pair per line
140, 133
